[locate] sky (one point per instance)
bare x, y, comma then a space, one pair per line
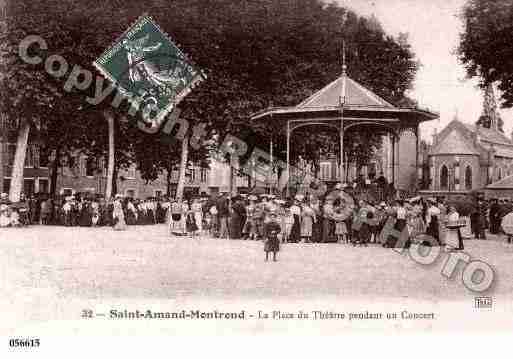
441, 85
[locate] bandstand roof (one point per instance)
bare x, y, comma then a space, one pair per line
360, 103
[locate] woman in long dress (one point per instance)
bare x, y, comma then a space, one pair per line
191, 226
327, 231
453, 233
175, 222
197, 210
340, 216
85, 214
118, 215
131, 213
95, 209
295, 232
250, 227
315, 205
308, 219
237, 219
142, 217
432, 220
185, 210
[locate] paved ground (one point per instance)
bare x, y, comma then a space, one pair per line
44, 267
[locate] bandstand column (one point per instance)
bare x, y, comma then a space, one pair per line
288, 158
271, 166
393, 158
417, 157
397, 164
341, 171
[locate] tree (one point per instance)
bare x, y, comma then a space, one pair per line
490, 117
78, 31
254, 54
486, 40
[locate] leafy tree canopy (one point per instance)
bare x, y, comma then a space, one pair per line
486, 44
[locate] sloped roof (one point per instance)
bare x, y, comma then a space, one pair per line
489, 135
505, 183
454, 143
360, 103
504, 152
356, 94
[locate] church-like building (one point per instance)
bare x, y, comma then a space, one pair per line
466, 158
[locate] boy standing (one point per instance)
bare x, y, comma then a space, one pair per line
271, 230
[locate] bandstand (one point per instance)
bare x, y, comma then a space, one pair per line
342, 105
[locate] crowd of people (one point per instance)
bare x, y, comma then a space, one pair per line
342, 216
80, 210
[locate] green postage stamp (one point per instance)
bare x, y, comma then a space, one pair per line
145, 64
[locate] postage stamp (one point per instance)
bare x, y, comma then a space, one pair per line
145, 64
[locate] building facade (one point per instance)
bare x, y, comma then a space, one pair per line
465, 158
382, 163
87, 174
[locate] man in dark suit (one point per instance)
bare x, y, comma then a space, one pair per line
223, 212
495, 210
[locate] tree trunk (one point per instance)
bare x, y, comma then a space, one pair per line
115, 178
110, 167
183, 168
19, 161
168, 180
55, 171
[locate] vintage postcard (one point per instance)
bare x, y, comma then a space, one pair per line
266, 167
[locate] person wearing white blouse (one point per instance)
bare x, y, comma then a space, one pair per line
453, 235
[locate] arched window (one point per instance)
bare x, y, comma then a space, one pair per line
468, 178
500, 173
444, 178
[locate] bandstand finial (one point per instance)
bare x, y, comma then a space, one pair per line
344, 74
344, 65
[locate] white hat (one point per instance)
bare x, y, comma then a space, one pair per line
344, 185
252, 198
367, 181
300, 197
271, 196
280, 201
338, 186
3, 195
382, 204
